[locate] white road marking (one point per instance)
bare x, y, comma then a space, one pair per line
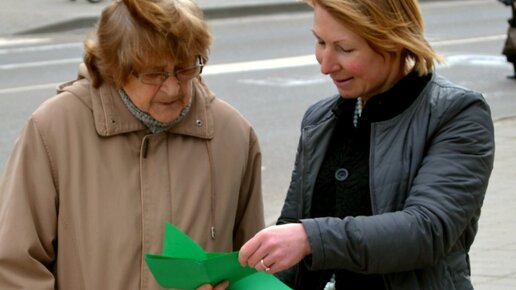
247, 66
21, 41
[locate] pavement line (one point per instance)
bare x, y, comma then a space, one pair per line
247, 66
225, 68
28, 88
40, 47
217, 69
209, 69
479, 60
40, 63
467, 40
20, 41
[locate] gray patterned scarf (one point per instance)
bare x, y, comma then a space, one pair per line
152, 124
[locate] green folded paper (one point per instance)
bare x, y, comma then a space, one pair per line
184, 265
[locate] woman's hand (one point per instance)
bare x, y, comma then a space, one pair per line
276, 248
220, 286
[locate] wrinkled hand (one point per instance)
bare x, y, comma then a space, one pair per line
220, 286
276, 248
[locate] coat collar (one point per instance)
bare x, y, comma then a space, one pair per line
112, 117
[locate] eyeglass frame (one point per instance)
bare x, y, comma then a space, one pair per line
176, 73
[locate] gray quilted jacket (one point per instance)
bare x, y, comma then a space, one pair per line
429, 171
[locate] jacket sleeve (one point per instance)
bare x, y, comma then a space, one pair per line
250, 217
506, 2
291, 210
28, 206
441, 207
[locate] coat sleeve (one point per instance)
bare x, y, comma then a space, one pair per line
250, 217
506, 2
441, 208
291, 211
28, 207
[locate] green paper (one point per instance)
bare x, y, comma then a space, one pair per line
184, 265
178, 245
259, 281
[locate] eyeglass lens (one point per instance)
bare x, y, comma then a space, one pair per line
157, 78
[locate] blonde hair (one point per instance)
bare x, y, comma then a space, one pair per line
386, 25
134, 34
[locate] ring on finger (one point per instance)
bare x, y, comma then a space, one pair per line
267, 269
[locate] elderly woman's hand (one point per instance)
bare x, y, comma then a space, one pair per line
220, 286
276, 248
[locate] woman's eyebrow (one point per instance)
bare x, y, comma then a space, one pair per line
338, 41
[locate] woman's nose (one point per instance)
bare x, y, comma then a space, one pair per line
171, 85
327, 62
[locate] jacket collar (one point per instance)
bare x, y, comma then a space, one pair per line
112, 117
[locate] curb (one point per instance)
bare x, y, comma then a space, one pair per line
209, 14
76, 23
254, 10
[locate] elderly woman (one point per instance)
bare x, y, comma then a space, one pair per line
391, 173
136, 141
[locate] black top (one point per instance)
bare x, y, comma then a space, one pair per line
342, 185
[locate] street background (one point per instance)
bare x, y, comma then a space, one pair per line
260, 63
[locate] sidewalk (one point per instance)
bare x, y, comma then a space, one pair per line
37, 16
493, 254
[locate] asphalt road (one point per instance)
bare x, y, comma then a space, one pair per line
265, 68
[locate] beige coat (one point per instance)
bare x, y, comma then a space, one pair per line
87, 190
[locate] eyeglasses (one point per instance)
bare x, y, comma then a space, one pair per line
158, 78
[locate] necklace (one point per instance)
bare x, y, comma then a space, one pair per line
358, 112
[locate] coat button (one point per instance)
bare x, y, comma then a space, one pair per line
341, 174
198, 123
